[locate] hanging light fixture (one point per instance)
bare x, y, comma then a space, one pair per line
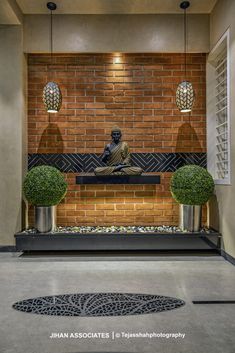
185, 92
52, 97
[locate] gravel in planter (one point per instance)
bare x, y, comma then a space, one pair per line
116, 229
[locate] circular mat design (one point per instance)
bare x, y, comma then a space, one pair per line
98, 304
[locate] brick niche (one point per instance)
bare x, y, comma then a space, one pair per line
134, 91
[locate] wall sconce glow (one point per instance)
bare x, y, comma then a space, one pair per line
52, 97
185, 96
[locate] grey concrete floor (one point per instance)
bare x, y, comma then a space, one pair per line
207, 328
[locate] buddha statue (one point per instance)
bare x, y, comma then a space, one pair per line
117, 157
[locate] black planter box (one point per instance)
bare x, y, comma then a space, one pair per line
103, 241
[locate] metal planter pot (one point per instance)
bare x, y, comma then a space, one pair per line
45, 218
190, 217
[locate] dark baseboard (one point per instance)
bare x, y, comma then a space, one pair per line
7, 248
227, 257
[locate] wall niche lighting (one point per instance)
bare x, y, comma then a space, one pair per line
185, 93
52, 97
117, 58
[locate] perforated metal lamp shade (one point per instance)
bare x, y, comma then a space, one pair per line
185, 96
52, 97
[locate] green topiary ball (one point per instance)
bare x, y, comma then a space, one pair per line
192, 185
44, 186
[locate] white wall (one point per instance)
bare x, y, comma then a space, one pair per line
223, 17
115, 33
12, 130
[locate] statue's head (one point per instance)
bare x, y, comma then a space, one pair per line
116, 134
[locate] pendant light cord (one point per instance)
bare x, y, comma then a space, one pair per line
185, 44
51, 48
51, 37
185, 52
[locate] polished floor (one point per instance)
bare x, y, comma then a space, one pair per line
191, 328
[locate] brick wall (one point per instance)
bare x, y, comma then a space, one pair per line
134, 91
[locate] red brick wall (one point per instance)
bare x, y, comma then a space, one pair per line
138, 94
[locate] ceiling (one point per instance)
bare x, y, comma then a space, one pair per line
10, 13
114, 6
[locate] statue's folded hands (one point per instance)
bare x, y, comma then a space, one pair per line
121, 166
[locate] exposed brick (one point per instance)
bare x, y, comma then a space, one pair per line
138, 95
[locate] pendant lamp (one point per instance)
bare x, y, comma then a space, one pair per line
52, 97
185, 92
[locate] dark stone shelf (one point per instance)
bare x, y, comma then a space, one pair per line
91, 178
103, 241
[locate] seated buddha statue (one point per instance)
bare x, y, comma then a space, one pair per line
117, 157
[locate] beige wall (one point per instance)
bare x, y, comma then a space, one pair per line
222, 18
97, 33
149, 33
12, 130
115, 33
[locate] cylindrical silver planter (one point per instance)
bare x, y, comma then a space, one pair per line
45, 218
190, 217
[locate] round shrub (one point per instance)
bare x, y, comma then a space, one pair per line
192, 185
44, 186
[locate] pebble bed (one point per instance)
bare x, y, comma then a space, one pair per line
116, 229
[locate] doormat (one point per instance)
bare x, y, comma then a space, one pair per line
98, 304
